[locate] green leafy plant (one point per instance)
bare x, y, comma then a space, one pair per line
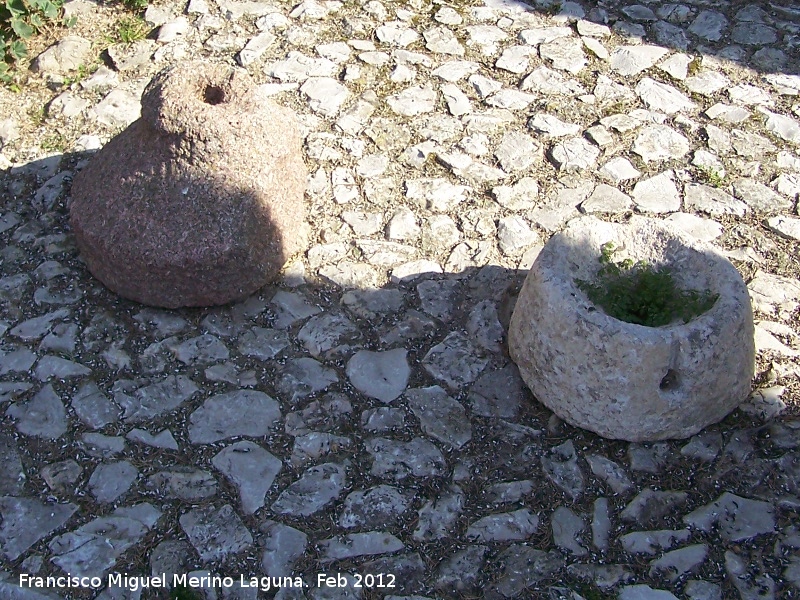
131, 29
641, 293
712, 176
82, 73
20, 20
135, 5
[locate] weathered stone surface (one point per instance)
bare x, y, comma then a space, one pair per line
649, 506
262, 343
759, 197
455, 361
737, 518
43, 415
26, 521
497, 393
243, 412
538, 340
381, 375
560, 465
358, 544
657, 194
216, 533
110, 481
304, 376
749, 578
438, 516
64, 56
712, 201
155, 399
630, 60
575, 154
567, 527
440, 416
662, 97
251, 469
400, 459
316, 488
184, 483
650, 542
182, 236
523, 567
660, 142
379, 506
462, 570
93, 548
672, 565
517, 525
93, 407
610, 472
283, 546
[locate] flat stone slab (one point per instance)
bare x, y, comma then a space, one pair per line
203, 349
567, 527
93, 407
109, 481
26, 521
381, 375
673, 565
461, 571
609, 471
523, 567
650, 505
660, 142
312, 446
216, 533
262, 343
156, 399
184, 483
316, 488
251, 469
441, 417
737, 518
93, 548
560, 465
42, 416
497, 393
283, 546
396, 459
358, 544
712, 201
244, 412
379, 506
304, 376
518, 525
651, 542
455, 361
438, 516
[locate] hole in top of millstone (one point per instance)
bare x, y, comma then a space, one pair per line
670, 382
213, 94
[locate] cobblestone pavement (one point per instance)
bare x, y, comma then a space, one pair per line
362, 417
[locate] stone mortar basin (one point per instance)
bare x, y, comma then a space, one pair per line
201, 200
622, 380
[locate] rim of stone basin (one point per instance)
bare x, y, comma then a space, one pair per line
623, 380
198, 96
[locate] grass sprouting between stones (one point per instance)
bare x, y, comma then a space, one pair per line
641, 293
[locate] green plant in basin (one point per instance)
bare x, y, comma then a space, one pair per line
641, 293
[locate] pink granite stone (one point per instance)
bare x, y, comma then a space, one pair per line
199, 202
